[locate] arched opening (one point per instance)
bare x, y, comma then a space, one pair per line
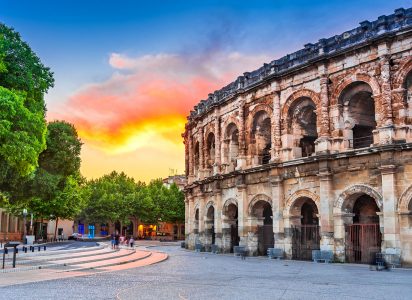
210, 152
210, 226
196, 222
358, 111
408, 97
230, 234
305, 231
231, 147
363, 236
302, 125
262, 211
260, 139
196, 162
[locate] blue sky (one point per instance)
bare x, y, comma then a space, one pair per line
97, 48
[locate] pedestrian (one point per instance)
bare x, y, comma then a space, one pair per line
131, 242
113, 241
116, 240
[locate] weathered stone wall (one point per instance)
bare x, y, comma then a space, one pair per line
337, 127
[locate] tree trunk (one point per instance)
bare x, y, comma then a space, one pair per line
55, 229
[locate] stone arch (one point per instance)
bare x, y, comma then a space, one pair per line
301, 121
251, 115
349, 195
208, 205
302, 93
210, 150
405, 200
227, 122
400, 75
257, 198
298, 195
259, 137
345, 82
227, 203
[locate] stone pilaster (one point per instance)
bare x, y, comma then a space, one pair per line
190, 151
277, 209
325, 209
323, 143
201, 153
218, 219
276, 125
340, 220
241, 161
216, 166
242, 214
391, 231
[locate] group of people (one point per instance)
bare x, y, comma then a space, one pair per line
117, 240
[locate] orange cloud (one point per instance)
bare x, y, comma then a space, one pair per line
146, 100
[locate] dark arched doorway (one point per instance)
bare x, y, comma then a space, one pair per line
363, 237
262, 210
305, 234
210, 228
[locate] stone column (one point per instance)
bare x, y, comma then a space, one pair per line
385, 77
276, 134
216, 166
323, 143
243, 227
201, 153
385, 131
190, 151
218, 219
325, 209
277, 209
340, 220
202, 219
241, 161
391, 231
191, 234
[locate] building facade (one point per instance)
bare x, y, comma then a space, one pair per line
310, 151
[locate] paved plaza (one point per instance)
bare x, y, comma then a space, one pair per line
190, 275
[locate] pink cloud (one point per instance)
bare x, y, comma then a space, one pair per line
148, 91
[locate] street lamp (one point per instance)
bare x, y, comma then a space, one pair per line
25, 226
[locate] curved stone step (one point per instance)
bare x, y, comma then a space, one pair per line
138, 255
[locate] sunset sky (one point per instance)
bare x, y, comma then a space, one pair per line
128, 72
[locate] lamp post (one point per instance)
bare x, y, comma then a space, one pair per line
25, 226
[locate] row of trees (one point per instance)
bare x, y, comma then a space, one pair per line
40, 162
116, 197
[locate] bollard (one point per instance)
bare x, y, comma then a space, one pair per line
39, 248
32, 249
44, 248
25, 249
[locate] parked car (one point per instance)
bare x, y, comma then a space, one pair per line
76, 236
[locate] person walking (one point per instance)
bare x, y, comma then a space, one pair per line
116, 240
131, 242
113, 241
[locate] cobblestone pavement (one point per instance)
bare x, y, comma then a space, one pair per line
189, 275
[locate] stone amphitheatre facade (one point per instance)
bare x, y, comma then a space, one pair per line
310, 151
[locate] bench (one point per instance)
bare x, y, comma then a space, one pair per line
275, 253
215, 249
392, 260
239, 251
322, 255
198, 247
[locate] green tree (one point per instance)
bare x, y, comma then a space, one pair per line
56, 187
111, 199
23, 82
